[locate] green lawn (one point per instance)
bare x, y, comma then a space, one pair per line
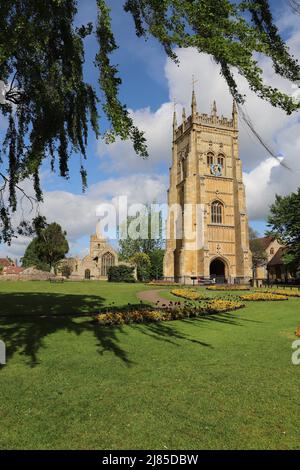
223, 381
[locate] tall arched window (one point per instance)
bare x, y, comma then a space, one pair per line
210, 158
221, 160
107, 261
217, 212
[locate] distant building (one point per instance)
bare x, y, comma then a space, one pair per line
5, 262
12, 270
274, 270
93, 266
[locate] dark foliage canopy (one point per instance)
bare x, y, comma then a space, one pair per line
47, 248
284, 223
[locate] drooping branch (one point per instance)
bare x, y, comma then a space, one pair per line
51, 109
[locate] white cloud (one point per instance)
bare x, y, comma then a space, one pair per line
157, 127
77, 213
259, 188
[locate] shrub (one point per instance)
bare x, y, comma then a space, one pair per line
121, 273
267, 296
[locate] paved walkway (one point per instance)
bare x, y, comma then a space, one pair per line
154, 297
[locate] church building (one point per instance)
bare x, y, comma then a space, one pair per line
96, 264
206, 175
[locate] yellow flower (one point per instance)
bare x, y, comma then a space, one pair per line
263, 296
188, 294
285, 292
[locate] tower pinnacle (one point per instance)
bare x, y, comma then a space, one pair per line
194, 102
234, 114
174, 120
214, 109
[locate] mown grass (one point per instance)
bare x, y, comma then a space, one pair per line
223, 381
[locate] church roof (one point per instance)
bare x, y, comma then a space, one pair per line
278, 257
264, 241
5, 262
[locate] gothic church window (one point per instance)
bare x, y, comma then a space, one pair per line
221, 160
217, 212
210, 158
107, 261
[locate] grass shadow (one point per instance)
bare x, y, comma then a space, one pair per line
166, 331
26, 319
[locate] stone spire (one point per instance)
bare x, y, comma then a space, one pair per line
183, 118
174, 120
234, 114
174, 123
214, 109
194, 104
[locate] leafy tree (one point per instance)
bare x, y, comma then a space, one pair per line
31, 257
66, 267
143, 264
156, 259
48, 104
145, 242
259, 255
49, 247
284, 223
146, 251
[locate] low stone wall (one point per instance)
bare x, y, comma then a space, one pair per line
29, 274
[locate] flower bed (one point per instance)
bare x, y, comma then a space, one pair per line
188, 294
285, 292
148, 315
223, 305
266, 296
229, 287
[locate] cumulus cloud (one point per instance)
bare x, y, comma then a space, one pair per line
77, 213
157, 126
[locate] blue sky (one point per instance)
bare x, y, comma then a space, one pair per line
150, 83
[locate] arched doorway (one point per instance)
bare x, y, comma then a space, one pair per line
87, 274
217, 270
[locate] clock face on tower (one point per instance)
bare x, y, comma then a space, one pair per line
216, 169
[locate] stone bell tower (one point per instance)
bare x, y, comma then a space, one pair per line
206, 184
